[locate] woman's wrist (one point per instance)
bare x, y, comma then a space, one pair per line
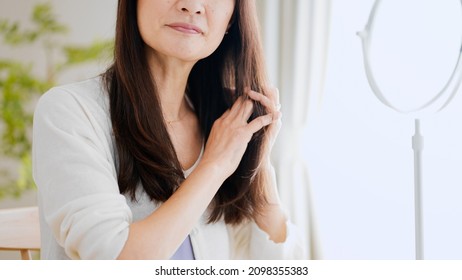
273, 220
213, 171
271, 190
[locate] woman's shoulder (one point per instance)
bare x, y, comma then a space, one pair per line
91, 92
81, 106
88, 97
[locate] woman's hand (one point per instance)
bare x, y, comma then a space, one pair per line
271, 219
232, 132
271, 102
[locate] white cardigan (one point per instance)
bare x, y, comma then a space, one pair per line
82, 213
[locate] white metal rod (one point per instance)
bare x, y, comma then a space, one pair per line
417, 146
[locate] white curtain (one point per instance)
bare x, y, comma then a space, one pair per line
295, 35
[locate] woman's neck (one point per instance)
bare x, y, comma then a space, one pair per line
171, 77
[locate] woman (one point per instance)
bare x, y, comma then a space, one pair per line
167, 154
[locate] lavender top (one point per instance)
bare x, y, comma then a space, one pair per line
185, 251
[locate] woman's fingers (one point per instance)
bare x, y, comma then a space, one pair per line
275, 94
242, 109
270, 101
248, 109
272, 93
231, 133
262, 121
264, 100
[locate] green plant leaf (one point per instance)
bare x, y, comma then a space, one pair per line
96, 51
43, 16
20, 87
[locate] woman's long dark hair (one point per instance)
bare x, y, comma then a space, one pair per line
145, 153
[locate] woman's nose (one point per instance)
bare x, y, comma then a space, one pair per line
191, 6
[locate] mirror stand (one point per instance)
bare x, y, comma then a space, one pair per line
439, 101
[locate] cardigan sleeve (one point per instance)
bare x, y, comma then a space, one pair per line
261, 247
250, 242
74, 170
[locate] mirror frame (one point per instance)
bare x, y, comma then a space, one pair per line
449, 89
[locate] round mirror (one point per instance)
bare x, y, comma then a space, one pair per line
412, 52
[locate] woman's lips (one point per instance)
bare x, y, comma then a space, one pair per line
185, 28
